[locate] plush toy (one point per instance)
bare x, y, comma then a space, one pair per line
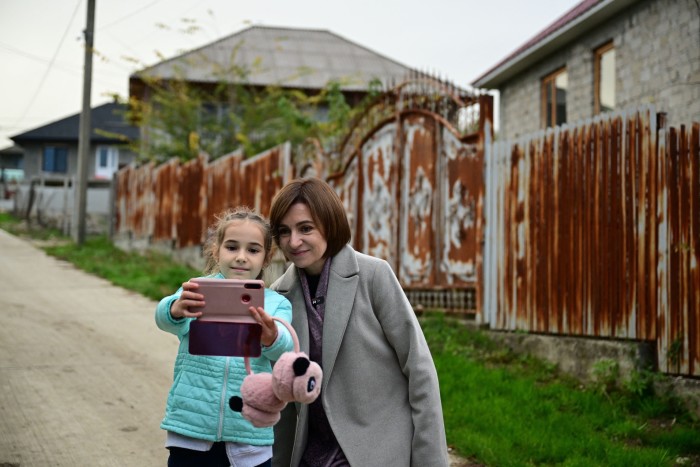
294, 378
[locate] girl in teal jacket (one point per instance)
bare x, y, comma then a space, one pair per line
202, 429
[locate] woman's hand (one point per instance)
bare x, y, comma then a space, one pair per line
269, 328
189, 298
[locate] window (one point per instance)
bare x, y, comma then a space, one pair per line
55, 159
107, 161
554, 88
605, 78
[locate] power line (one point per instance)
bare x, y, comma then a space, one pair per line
48, 69
123, 18
62, 66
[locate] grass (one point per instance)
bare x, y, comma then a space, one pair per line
512, 410
151, 274
500, 408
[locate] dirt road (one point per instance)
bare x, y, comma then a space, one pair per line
84, 371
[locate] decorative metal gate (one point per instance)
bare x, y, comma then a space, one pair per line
411, 175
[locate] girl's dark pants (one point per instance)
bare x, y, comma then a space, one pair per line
215, 457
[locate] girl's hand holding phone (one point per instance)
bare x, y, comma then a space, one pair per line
189, 298
269, 328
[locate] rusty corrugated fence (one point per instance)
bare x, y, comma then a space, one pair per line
593, 230
586, 230
174, 202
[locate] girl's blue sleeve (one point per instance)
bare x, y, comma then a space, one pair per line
164, 319
278, 306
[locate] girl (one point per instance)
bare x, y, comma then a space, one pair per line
201, 428
380, 402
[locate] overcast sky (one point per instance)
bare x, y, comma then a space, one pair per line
42, 57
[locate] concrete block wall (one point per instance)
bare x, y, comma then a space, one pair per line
657, 54
52, 206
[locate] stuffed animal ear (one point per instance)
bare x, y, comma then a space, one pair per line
300, 366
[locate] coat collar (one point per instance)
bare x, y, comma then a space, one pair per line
342, 286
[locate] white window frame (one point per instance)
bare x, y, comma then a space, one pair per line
111, 165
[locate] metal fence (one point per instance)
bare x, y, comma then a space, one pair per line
175, 202
410, 173
583, 230
594, 230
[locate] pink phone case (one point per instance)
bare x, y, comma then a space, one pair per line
228, 300
226, 327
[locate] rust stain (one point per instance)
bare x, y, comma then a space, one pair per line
597, 233
419, 199
379, 193
461, 211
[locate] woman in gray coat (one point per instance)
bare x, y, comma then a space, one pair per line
380, 397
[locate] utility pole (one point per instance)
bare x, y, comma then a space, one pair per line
80, 187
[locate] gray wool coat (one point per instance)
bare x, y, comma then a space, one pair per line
380, 389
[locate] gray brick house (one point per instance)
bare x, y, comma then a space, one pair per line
602, 55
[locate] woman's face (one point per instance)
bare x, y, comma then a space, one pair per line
301, 240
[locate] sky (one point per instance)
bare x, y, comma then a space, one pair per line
41, 41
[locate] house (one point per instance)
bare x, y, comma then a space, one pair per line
11, 157
11, 173
602, 55
254, 60
52, 150
301, 59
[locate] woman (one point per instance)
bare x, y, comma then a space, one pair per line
380, 397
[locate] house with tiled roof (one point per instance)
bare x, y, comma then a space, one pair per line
51, 150
253, 60
600, 56
291, 58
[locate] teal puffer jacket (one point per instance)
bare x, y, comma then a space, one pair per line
202, 386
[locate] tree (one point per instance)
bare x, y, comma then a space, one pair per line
182, 119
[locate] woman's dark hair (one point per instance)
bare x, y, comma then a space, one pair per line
327, 211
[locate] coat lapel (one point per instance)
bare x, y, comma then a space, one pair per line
289, 286
342, 286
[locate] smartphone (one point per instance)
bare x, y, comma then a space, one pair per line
228, 300
225, 339
226, 327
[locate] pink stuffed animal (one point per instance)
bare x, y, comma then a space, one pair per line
294, 378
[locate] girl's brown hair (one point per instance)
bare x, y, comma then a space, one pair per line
215, 235
327, 211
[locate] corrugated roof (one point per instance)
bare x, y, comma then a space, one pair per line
107, 117
288, 57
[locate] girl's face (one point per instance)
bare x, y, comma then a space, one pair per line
301, 240
241, 254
